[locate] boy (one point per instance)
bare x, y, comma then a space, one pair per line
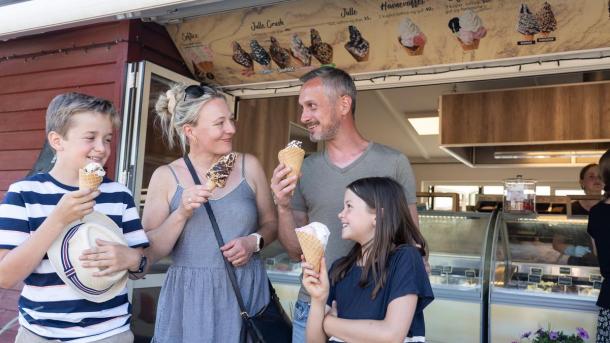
36, 210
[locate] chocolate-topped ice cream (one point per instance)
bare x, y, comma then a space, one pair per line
527, 25
219, 172
357, 46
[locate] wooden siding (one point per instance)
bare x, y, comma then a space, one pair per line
28, 83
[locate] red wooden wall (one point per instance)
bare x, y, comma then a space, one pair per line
33, 70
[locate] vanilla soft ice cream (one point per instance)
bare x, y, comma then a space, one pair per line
95, 168
319, 230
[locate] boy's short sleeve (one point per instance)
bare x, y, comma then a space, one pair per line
14, 224
409, 277
132, 226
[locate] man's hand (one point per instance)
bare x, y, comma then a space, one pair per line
283, 186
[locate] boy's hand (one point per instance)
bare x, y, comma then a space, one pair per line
111, 257
73, 206
316, 284
192, 198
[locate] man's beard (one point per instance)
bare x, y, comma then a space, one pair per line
328, 133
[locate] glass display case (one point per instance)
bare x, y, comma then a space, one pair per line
545, 274
457, 243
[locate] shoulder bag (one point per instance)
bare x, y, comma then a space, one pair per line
270, 324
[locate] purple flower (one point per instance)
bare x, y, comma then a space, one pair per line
582, 333
553, 335
526, 335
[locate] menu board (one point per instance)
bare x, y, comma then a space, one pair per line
282, 42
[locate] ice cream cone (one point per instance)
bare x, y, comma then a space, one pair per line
88, 180
312, 248
528, 37
414, 51
210, 185
472, 46
357, 57
293, 158
545, 34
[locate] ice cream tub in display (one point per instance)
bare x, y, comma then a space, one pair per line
519, 195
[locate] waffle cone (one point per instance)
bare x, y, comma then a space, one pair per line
293, 158
312, 249
88, 180
210, 185
467, 47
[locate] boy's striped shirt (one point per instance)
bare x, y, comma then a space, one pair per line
47, 306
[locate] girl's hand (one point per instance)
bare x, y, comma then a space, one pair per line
239, 250
192, 198
110, 257
316, 284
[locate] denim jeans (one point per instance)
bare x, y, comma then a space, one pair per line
299, 321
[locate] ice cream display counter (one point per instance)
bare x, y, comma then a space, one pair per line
545, 275
457, 244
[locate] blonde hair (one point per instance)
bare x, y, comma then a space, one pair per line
176, 108
64, 106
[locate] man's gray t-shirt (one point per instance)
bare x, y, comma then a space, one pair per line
321, 188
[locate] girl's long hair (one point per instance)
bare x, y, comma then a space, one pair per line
394, 228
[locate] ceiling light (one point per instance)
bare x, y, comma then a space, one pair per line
513, 155
425, 126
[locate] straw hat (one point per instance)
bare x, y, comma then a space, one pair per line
66, 249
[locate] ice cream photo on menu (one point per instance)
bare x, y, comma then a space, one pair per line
299, 51
242, 58
546, 20
411, 38
468, 29
527, 24
357, 46
322, 51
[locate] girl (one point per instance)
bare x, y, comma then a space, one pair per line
377, 292
599, 217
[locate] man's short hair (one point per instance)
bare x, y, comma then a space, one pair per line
64, 106
336, 81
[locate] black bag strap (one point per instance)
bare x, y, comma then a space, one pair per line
228, 266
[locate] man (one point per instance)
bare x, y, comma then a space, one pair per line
328, 99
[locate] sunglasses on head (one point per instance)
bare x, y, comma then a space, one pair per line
196, 91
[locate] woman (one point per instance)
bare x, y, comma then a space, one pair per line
598, 229
591, 183
579, 251
377, 293
197, 303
